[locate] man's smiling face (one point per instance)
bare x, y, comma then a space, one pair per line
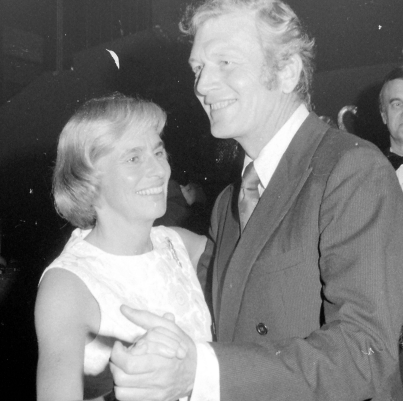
228, 63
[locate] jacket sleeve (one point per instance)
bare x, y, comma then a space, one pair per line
354, 355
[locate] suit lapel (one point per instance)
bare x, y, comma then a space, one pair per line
286, 183
226, 243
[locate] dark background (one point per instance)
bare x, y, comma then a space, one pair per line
44, 79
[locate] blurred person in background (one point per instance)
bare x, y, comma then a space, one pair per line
391, 108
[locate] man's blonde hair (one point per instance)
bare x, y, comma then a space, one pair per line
281, 33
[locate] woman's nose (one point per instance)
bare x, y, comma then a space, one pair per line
158, 166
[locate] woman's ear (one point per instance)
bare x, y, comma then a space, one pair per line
96, 202
290, 74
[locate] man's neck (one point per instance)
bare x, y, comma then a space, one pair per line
396, 148
258, 141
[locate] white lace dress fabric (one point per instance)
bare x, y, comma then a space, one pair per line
159, 281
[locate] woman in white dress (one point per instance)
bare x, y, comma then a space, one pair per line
110, 181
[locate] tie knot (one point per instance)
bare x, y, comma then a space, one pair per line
250, 179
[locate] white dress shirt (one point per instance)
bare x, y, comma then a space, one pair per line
399, 173
269, 157
207, 381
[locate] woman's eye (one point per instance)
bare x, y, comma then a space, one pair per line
162, 154
134, 159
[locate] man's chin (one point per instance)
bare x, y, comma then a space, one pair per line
219, 132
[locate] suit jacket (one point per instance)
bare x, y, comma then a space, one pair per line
308, 302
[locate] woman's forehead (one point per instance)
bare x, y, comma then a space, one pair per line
133, 136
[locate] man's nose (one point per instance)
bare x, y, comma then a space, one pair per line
206, 81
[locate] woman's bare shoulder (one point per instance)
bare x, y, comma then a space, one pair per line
64, 303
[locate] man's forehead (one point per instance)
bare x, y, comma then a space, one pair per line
393, 88
215, 47
227, 33
395, 83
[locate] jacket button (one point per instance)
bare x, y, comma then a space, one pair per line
261, 328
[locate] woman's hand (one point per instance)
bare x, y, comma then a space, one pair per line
159, 341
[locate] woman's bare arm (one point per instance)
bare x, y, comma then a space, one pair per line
65, 316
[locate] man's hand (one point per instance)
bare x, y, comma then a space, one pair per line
146, 373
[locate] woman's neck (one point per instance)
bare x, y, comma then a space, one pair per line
125, 241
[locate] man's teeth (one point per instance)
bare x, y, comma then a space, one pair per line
221, 105
150, 191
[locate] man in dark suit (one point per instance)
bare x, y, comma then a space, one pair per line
391, 107
305, 252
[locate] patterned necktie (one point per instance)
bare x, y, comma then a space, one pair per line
249, 194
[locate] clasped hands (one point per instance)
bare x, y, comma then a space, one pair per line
161, 366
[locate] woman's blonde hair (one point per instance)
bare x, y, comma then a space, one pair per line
90, 134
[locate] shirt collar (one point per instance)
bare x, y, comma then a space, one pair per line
269, 157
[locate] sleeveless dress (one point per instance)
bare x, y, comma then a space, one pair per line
159, 281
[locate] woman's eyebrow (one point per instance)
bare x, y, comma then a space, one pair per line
158, 145
139, 149
131, 151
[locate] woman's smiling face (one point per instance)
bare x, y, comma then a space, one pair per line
134, 179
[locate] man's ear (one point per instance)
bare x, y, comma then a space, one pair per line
383, 115
290, 74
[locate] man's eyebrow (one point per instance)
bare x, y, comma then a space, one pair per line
400, 99
218, 53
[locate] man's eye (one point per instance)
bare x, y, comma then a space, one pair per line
397, 104
226, 63
134, 159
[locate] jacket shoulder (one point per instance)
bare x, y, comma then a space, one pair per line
336, 144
